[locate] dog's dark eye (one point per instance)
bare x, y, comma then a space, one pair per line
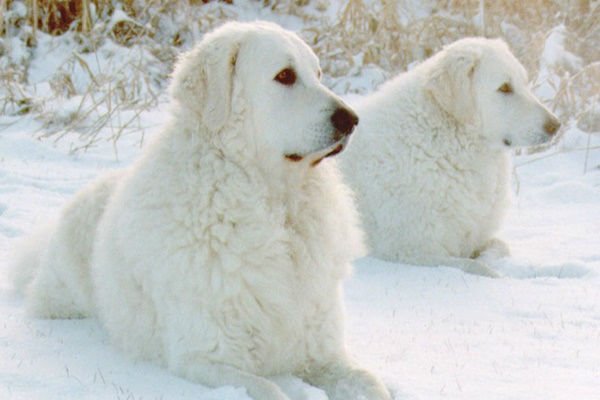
505, 88
286, 77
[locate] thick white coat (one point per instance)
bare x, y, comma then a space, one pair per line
213, 254
430, 162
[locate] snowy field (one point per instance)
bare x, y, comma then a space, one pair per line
430, 333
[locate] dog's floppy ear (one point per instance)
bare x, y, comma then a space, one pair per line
203, 77
450, 82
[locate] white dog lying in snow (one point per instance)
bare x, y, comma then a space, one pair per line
220, 253
430, 163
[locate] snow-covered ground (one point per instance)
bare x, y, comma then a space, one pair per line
430, 333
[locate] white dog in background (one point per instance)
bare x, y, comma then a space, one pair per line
220, 253
430, 162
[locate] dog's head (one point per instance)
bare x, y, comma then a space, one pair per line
481, 84
277, 76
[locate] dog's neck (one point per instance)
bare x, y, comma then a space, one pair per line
277, 174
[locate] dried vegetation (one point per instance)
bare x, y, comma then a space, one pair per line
140, 40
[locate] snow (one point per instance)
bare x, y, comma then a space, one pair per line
430, 333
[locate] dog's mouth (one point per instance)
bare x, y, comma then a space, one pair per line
294, 157
336, 150
319, 156
540, 140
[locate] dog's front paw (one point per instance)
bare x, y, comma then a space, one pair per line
360, 385
495, 248
478, 267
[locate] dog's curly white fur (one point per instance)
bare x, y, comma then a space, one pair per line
430, 162
220, 252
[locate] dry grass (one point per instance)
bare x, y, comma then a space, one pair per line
3, 8
377, 35
387, 34
16, 100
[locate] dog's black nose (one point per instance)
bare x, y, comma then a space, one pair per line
344, 120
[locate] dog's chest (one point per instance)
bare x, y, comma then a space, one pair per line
266, 272
475, 196
285, 292
280, 321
